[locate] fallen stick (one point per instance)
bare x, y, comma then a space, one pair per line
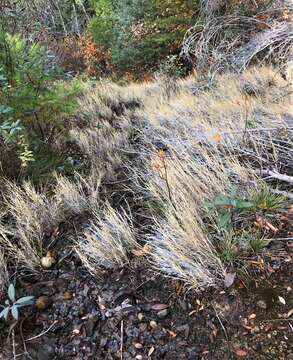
283, 193
121, 345
42, 333
276, 175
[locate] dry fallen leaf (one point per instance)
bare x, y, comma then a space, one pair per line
152, 349
160, 306
217, 137
229, 279
171, 333
145, 250
240, 353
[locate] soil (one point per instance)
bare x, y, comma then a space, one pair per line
133, 313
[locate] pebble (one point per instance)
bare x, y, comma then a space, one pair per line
153, 324
67, 295
138, 346
163, 313
140, 316
43, 302
138, 357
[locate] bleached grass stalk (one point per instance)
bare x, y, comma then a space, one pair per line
203, 135
3, 269
32, 214
182, 245
79, 195
214, 44
105, 243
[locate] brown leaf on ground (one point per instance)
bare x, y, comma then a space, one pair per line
171, 333
160, 306
241, 353
145, 250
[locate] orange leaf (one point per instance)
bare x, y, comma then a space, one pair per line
145, 250
241, 353
171, 333
217, 137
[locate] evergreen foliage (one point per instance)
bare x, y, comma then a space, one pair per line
141, 33
32, 101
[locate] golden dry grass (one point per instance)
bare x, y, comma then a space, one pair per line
212, 138
105, 243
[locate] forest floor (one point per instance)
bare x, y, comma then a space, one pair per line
132, 311
136, 314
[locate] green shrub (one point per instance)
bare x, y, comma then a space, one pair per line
141, 33
34, 101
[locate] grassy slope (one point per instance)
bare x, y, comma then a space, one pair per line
155, 154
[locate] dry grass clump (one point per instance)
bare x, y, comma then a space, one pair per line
79, 195
184, 184
213, 138
31, 215
236, 41
160, 151
4, 277
104, 244
3, 274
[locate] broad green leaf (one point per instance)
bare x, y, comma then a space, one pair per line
244, 204
223, 200
14, 312
4, 313
11, 292
224, 220
26, 300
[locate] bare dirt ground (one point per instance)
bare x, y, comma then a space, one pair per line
135, 314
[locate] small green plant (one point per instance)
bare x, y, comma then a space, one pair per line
265, 200
226, 206
257, 244
12, 304
231, 214
227, 247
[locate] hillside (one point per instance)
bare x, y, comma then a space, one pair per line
146, 211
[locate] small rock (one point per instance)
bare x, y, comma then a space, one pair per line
109, 313
153, 324
140, 316
48, 261
184, 329
67, 295
138, 357
138, 346
163, 313
262, 304
43, 302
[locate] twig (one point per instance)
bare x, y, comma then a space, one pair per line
276, 175
257, 130
245, 118
13, 344
223, 327
43, 333
274, 320
121, 346
283, 193
280, 239
26, 353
